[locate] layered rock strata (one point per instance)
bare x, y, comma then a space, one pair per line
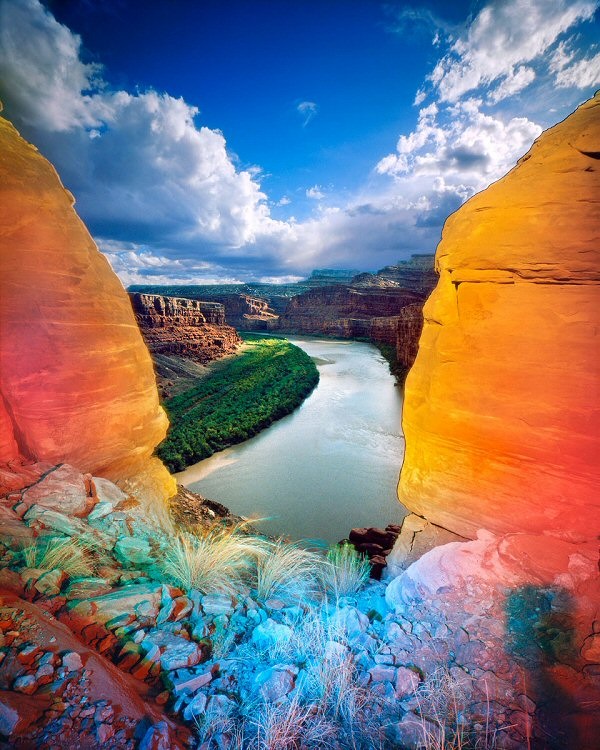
502, 415
385, 307
417, 274
76, 379
348, 312
178, 329
408, 332
248, 313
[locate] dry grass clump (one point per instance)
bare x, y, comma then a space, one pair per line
72, 556
345, 571
289, 726
443, 701
287, 570
215, 560
329, 702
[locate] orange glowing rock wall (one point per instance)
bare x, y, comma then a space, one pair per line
501, 411
76, 379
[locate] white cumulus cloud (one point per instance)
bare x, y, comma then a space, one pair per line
138, 164
501, 38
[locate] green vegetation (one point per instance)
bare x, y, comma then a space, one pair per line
347, 572
238, 399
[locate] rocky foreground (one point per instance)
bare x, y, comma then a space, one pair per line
100, 643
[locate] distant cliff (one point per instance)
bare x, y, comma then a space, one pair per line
76, 378
417, 274
181, 332
247, 313
385, 307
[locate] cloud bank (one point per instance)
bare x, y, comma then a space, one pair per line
166, 200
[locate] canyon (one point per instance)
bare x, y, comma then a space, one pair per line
182, 334
492, 587
383, 307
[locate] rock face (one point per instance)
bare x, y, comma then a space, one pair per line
248, 313
501, 414
76, 379
408, 331
187, 328
385, 307
348, 312
417, 274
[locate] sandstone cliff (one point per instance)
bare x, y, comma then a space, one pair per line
417, 274
248, 313
181, 332
385, 307
502, 416
76, 379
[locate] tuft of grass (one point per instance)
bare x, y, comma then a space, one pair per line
346, 571
287, 570
159, 518
289, 726
215, 560
442, 706
62, 553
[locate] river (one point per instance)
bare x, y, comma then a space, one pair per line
331, 465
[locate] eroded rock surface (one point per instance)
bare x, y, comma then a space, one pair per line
76, 378
247, 313
501, 413
182, 334
348, 312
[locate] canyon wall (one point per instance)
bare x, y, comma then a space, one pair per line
501, 414
247, 313
349, 312
76, 378
385, 307
187, 328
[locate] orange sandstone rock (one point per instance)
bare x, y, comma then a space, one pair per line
76, 379
501, 413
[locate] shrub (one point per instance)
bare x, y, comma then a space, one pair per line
63, 553
289, 726
346, 571
288, 570
213, 561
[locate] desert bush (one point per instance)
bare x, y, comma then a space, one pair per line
215, 560
288, 570
443, 701
288, 726
346, 571
74, 557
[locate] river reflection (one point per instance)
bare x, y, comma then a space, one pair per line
331, 465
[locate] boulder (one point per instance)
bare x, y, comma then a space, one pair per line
61, 489
275, 682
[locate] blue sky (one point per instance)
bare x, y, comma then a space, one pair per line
219, 140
